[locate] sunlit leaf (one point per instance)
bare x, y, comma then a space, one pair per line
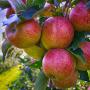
37, 64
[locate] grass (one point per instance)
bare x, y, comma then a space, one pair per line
9, 76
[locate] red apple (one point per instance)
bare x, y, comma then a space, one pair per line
88, 88
80, 17
58, 64
85, 46
67, 83
57, 33
24, 34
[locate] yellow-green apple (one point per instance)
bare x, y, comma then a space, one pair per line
35, 52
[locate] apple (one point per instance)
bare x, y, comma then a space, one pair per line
80, 17
58, 64
57, 33
88, 88
67, 83
85, 47
24, 34
35, 52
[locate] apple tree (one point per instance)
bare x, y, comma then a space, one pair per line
53, 36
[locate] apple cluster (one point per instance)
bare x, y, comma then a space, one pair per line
50, 42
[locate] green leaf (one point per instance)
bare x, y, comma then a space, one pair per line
35, 3
1, 58
74, 47
74, 2
78, 37
37, 64
5, 47
42, 20
88, 5
29, 3
60, 0
41, 82
48, 88
50, 1
84, 75
88, 39
38, 3
9, 52
4, 4
78, 53
27, 14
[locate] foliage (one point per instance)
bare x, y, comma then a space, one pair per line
41, 82
7, 77
27, 78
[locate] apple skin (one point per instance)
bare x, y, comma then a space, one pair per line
80, 17
88, 88
57, 33
67, 83
58, 64
85, 47
35, 52
24, 34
